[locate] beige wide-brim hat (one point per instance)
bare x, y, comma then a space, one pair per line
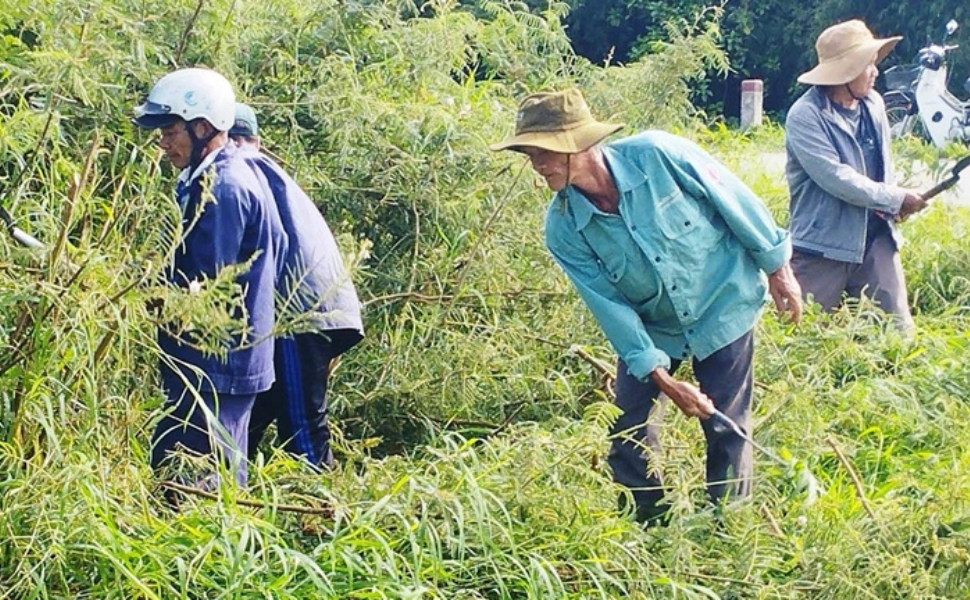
844, 51
556, 121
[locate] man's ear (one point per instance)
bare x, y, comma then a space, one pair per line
202, 128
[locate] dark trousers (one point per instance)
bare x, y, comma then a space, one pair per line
203, 424
298, 399
726, 378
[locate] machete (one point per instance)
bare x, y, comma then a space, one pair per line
18, 234
950, 181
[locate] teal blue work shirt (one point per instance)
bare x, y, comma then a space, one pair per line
679, 271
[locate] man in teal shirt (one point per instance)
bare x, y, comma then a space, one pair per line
668, 249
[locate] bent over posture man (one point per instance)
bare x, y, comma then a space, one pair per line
317, 301
228, 218
844, 201
667, 249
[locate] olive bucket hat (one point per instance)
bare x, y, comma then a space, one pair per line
844, 51
556, 121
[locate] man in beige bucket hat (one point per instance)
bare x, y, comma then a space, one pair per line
668, 249
844, 204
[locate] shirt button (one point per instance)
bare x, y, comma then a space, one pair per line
686, 314
633, 228
656, 258
685, 354
686, 223
673, 287
690, 331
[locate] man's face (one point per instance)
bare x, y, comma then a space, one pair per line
245, 142
176, 143
862, 85
553, 166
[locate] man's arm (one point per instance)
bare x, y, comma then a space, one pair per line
620, 323
745, 215
807, 142
786, 292
688, 397
624, 328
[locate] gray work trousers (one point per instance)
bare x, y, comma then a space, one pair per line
879, 277
726, 377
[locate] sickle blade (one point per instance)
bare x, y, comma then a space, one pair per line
962, 164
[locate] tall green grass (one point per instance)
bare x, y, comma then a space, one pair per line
472, 440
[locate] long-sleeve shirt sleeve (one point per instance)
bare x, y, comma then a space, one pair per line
744, 213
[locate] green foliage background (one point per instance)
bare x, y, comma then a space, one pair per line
472, 437
772, 40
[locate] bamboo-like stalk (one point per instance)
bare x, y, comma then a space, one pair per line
184, 40
78, 184
859, 488
772, 522
326, 511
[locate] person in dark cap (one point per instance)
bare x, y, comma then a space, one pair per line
669, 251
318, 296
844, 201
245, 129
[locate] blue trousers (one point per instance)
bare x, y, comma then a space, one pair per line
726, 378
221, 430
297, 402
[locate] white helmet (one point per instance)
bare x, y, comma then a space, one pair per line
189, 94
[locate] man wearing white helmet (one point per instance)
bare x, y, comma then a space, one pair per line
228, 218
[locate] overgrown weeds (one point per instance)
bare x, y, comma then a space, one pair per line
472, 440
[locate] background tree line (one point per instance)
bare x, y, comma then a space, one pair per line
773, 40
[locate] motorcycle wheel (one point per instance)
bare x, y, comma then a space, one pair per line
903, 122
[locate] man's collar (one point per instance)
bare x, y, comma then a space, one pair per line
626, 176
186, 176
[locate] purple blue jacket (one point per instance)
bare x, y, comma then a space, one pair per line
241, 222
314, 288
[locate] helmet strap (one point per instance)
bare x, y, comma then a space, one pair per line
198, 144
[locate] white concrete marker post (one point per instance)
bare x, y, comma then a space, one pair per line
752, 96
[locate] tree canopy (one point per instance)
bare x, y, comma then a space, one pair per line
771, 40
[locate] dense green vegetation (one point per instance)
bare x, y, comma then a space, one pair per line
773, 40
472, 435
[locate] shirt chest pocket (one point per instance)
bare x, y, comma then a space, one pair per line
677, 215
637, 285
614, 267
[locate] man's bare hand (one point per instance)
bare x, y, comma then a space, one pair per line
912, 204
786, 292
688, 398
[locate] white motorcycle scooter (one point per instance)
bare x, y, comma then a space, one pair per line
918, 102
